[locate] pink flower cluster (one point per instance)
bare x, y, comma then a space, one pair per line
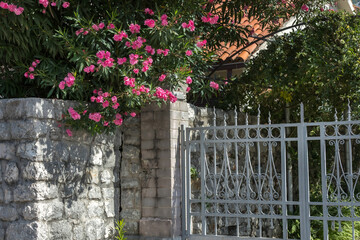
30, 74
89, 69
214, 85
108, 62
98, 27
12, 8
104, 98
121, 61
165, 95
150, 50
147, 64
138, 43
95, 27
149, 11
69, 80
189, 25
141, 89
95, 117
201, 44
164, 21
150, 23
45, 3
305, 8
134, 28
118, 37
162, 77
129, 81
118, 119
188, 53
75, 115
210, 19
164, 52
133, 59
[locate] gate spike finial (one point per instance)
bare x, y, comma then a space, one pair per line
269, 119
302, 112
258, 116
246, 119
235, 115
225, 118
349, 110
336, 118
214, 119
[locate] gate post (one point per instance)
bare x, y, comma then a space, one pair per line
303, 178
161, 180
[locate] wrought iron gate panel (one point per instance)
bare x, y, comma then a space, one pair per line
235, 179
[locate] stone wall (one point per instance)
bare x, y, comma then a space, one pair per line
53, 186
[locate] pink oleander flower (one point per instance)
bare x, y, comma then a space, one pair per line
201, 44
214, 85
31, 76
53, 4
75, 115
129, 81
106, 94
133, 114
172, 97
101, 25
188, 89
159, 51
95, 117
166, 52
26, 74
62, 85
136, 71
34, 64
95, 27
105, 104
4, 5
115, 106
164, 22
69, 80
45, 3
188, 80
149, 11
133, 59
110, 26
66, 5
305, 8
184, 25
31, 69
69, 133
114, 99
134, 28
119, 37
162, 77
106, 123
19, 10
93, 99
89, 69
121, 61
150, 23
99, 99
189, 53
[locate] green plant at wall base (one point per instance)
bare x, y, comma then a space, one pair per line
120, 230
194, 173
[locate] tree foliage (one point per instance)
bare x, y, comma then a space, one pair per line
318, 65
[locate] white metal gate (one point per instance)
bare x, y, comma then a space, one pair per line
236, 180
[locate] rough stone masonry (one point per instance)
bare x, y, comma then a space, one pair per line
53, 186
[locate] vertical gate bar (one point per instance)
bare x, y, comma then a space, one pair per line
259, 170
283, 183
183, 188
215, 170
324, 181
202, 159
303, 178
188, 182
236, 136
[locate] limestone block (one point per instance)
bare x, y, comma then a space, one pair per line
109, 230
38, 171
110, 157
27, 230
94, 229
79, 152
95, 209
94, 192
8, 213
46, 211
96, 156
28, 129
8, 197
155, 227
36, 151
35, 191
7, 151
106, 177
110, 208
105, 139
132, 227
127, 199
131, 153
79, 232
5, 131
133, 214
75, 209
130, 183
60, 230
132, 136
92, 175
29, 108
108, 193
